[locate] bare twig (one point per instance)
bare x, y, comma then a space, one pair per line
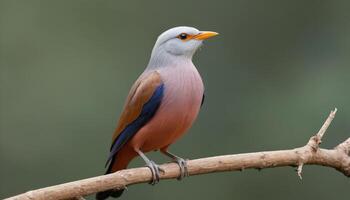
300, 170
310, 154
316, 140
326, 124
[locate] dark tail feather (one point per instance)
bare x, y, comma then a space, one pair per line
105, 194
112, 192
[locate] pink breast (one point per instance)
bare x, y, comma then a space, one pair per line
179, 108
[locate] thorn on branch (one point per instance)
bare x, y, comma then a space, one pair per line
316, 140
300, 170
326, 124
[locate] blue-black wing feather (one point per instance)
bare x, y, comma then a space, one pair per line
203, 98
148, 111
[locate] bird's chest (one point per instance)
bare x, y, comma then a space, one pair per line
183, 90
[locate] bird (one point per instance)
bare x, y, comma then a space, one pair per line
161, 106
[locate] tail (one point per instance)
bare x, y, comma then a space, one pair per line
123, 161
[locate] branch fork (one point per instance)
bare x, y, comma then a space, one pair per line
314, 142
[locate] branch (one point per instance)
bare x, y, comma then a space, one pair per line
310, 154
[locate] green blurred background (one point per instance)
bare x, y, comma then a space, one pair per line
272, 76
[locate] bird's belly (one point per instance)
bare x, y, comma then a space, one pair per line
177, 112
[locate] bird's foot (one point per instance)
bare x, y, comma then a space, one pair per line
155, 169
183, 167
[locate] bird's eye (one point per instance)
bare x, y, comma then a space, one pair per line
182, 36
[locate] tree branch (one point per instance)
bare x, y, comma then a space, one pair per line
310, 154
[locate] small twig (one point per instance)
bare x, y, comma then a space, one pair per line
310, 154
316, 140
326, 124
300, 170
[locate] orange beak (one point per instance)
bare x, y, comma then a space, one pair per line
203, 35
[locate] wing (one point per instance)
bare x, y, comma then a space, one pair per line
141, 105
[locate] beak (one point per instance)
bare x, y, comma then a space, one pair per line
203, 35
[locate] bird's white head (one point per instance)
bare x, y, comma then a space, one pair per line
178, 43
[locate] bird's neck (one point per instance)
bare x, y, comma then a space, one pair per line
162, 59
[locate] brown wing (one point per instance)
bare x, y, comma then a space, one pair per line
140, 93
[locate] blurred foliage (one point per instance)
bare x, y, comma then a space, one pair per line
272, 76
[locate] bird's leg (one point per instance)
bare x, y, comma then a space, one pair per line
180, 161
155, 169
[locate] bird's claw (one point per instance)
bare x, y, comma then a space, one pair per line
155, 169
183, 167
